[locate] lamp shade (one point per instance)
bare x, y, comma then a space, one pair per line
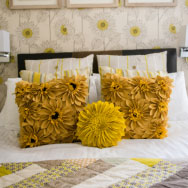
4, 41
184, 36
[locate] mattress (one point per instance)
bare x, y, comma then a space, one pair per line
175, 147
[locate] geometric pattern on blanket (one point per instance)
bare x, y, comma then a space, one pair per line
14, 167
149, 177
81, 162
88, 173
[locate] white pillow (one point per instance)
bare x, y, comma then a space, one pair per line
92, 90
97, 79
130, 73
36, 77
9, 116
57, 65
150, 62
178, 106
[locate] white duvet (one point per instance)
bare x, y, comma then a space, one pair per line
173, 147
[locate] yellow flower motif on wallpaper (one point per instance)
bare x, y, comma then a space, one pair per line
49, 50
156, 47
4, 6
186, 3
135, 31
1, 80
48, 46
102, 25
82, 12
183, 7
12, 59
172, 28
28, 32
64, 29
7, 3
154, 44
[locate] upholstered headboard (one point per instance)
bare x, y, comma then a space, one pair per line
171, 56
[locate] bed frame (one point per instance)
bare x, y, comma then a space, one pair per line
171, 57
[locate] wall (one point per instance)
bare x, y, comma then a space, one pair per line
89, 29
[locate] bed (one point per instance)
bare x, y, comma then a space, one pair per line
133, 163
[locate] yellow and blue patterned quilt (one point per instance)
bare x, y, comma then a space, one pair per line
95, 173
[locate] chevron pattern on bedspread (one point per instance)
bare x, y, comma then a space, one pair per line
94, 173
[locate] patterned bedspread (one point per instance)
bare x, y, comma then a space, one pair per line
95, 173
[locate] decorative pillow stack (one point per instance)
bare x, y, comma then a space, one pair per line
149, 62
144, 102
48, 111
59, 65
130, 73
37, 77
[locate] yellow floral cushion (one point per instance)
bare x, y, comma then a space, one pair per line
49, 111
144, 102
100, 125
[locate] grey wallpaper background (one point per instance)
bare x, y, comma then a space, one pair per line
62, 30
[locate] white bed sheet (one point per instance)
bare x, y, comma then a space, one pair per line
173, 147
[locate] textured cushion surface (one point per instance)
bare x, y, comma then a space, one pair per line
144, 102
100, 125
178, 99
48, 112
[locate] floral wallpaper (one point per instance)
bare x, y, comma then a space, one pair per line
62, 30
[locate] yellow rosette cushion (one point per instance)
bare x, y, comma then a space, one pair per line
49, 111
144, 102
100, 125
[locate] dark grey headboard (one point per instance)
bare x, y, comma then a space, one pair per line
171, 56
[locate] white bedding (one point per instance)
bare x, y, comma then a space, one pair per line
173, 147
